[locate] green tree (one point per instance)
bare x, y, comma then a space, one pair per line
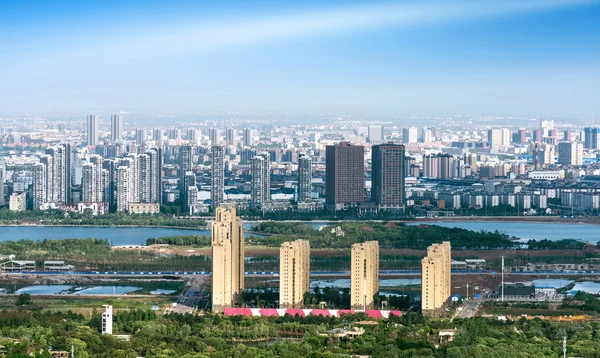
23, 299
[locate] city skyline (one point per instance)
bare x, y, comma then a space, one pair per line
385, 178
430, 58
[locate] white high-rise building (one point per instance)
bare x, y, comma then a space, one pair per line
92, 129
157, 135
107, 186
185, 166
50, 190
427, 137
144, 178
156, 162
570, 153
231, 136
315, 137
140, 136
92, 186
192, 135
304, 178
410, 135
58, 173
546, 126
132, 161
123, 186
499, 137
261, 180
174, 133
248, 137
116, 127
545, 154
39, 186
2, 174
431, 166
375, 134
217, 179
214, 135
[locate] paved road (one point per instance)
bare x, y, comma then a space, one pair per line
188, 301
470, 309
275, 273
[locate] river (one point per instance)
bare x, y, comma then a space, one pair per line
524, 230
137, 236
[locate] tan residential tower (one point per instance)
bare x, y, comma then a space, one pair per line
435, 279
227, 258
364, 274
294, 273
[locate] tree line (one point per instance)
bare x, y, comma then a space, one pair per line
24, 332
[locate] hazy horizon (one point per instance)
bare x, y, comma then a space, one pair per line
432, 58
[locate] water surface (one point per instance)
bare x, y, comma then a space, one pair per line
137, 236
43, 289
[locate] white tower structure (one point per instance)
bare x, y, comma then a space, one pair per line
107, 320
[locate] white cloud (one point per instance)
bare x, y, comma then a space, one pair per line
208, 37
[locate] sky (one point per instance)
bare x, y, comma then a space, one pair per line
493, 57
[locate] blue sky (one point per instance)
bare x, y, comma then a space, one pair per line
511, 57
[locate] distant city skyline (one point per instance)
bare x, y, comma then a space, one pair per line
530, 57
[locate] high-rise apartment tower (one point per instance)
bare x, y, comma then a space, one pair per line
294, 273
364, 270
227, 258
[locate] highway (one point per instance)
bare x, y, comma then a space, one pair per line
276, 273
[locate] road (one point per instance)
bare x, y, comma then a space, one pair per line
188, 301
470, 309
413, 273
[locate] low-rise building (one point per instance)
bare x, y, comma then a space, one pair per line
54, 265
310, 206
18, 201
143, 208
546, 175
17, 265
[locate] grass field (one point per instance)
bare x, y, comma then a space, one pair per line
85, 305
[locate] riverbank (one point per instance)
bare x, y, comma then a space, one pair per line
526, 228
532, 219
201, 228
594, 220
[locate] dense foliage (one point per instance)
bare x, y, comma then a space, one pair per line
97, 254
188, 240
68, 218
583, 302
389, 235
66, 247
330, 297
178, 336
399, 235
567, 244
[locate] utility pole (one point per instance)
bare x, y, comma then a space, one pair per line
564, 346
72, 351
467, 290
502, 279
